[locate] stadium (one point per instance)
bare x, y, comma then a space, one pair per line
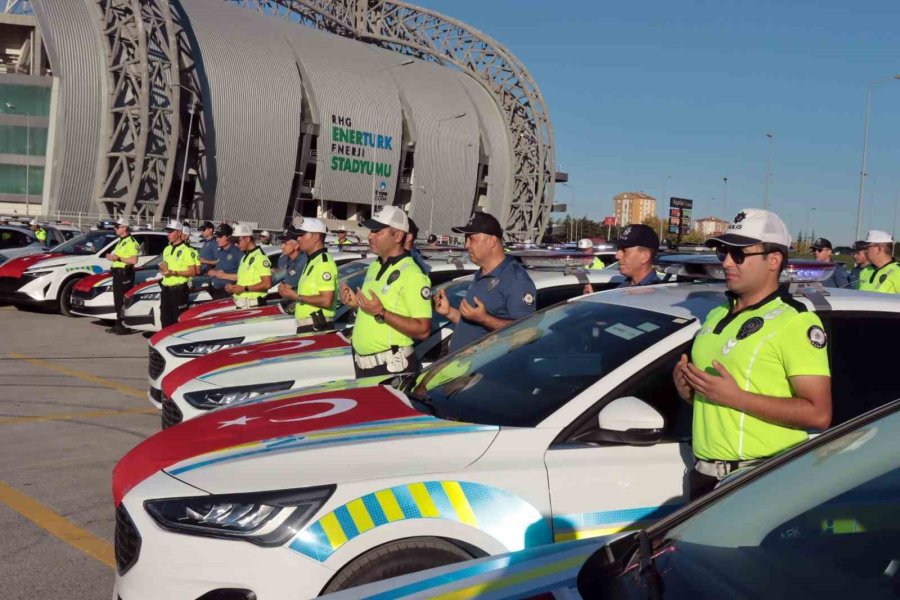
258, 111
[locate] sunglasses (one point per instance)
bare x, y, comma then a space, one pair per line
737, 254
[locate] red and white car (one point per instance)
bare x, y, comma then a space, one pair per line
47, 280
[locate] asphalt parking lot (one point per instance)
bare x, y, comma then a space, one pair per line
73, 402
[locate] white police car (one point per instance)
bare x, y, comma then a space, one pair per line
234, 374
92, 296
47, 280
562, 426
187, 340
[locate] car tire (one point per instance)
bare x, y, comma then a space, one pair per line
65, 297
397, 558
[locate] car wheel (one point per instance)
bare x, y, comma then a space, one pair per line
65, 297
395, 559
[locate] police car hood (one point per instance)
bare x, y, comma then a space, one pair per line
208, 327
234, 362
14, 267
324, 435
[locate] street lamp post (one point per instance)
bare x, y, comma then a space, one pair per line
12, 107
725, 199
862, 171
808, 231
187, 147
571, 188
768, 171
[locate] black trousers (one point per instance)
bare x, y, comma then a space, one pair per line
700, 484
414, 366
173, 301
122, 281
218, 293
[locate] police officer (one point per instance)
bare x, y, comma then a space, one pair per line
586, 246
861, 269
635, 250
501, 292
265, 238
410, 246
432, 240
885, 277
316, 295
39, 232
254, 275
394, 303
824, 253
758, 375
228, 257
124, 257
179, 263
342, 238
209, 250
292, 261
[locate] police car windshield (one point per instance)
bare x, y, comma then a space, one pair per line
88, 243
521, 374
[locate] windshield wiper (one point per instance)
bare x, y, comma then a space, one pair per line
648, 574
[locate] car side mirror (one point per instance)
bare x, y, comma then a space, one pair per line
627, 420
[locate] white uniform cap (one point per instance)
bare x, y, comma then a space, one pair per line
389, 216
876, 236
174, 225
186, 230
266, 234
311, 225
754, 226
124, 222
241, 230
33, 222
585, 243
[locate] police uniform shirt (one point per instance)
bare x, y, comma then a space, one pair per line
179, 258
227, 261
507, 292
254, 266
762, 346
126, 247
293, 269
41, 234
839, 278
864, 276
651, 278
420, 260
209, 251
319, 275
596, 264
404, 290
885, 280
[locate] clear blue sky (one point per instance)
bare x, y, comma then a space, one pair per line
689, 88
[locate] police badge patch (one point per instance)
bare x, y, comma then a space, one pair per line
750, 327
326, 276
528, 299
426, 292
393, 277
817, 337
492, 284
267, 264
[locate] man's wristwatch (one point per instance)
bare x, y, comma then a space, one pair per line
379, 318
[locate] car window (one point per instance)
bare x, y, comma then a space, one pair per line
554, 295
825, 524
87, 243
152, 245
439, 277
862, 362
521, 374
11, 238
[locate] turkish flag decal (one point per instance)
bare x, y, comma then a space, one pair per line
289, 414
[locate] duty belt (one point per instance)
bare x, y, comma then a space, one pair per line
370, 361
720, 468
310, 321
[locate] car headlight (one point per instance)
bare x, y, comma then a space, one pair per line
147, 296
194, 349
262, 518
37, 274
207, 399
